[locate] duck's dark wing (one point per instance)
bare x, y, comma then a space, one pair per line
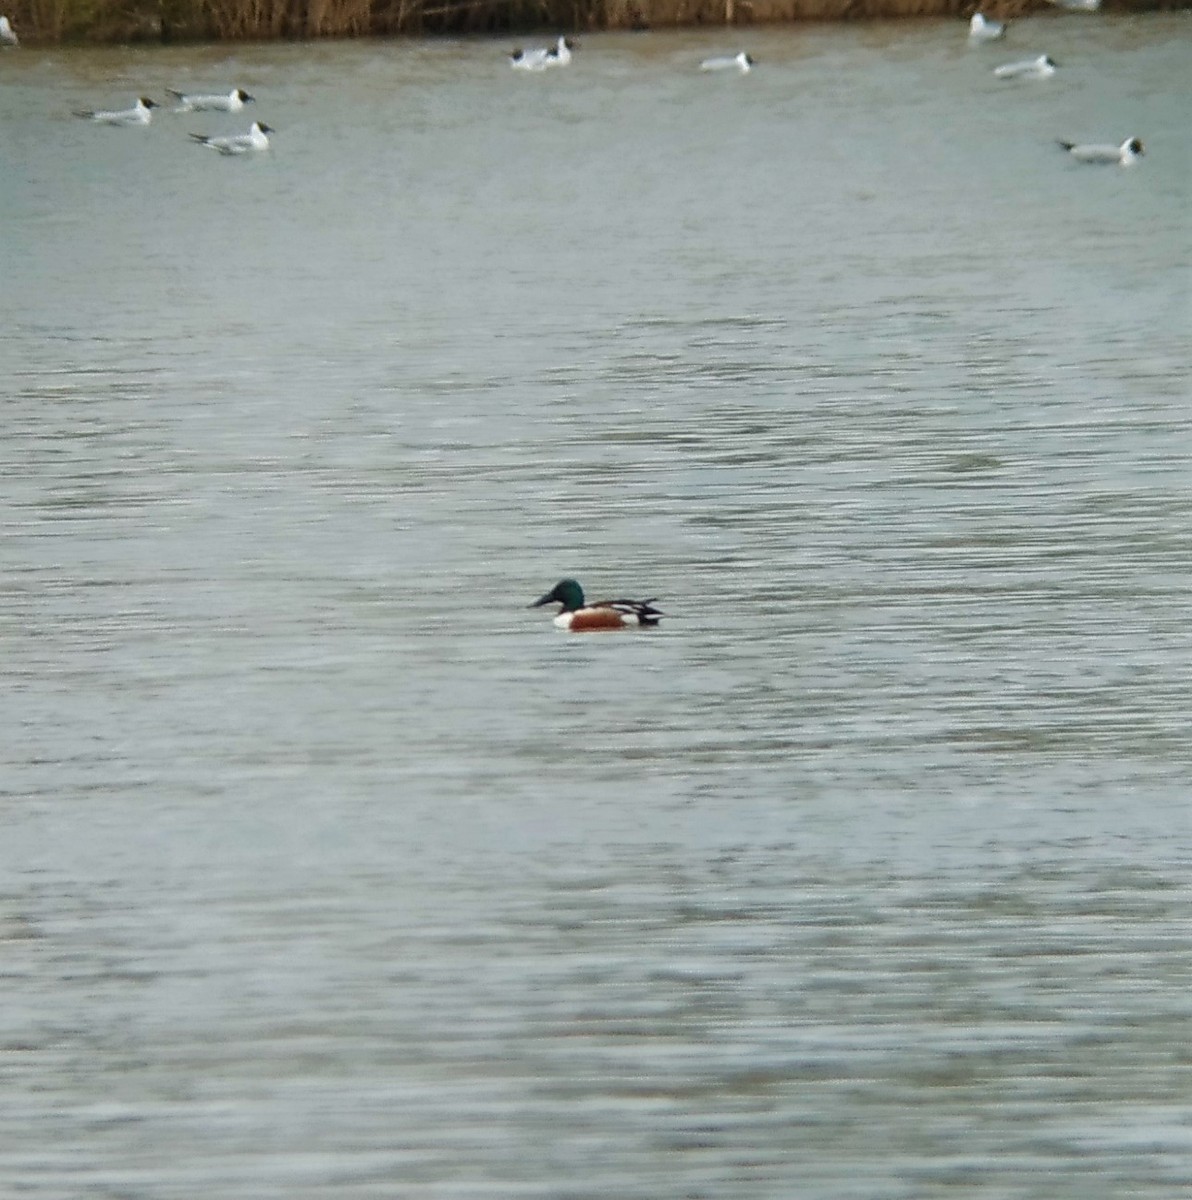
643, 610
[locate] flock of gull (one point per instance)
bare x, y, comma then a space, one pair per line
982, 29
141, 113
559, 55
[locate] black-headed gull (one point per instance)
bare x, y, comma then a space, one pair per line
237, 143
560, 54
1125, 155
728, 62
541, 57
232, 101
983, 29
1031, 68
141, 113
527, 60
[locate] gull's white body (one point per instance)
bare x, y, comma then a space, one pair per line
560, 56
239, 143
141, 113
982, 29
1042, 67
541, 57
1125, 155
728, 62
233, 101
528, 60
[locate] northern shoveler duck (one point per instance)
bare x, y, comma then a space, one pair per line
579, 617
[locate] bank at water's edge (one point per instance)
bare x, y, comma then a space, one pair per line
58, 21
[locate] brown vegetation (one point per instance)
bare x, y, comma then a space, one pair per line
244, 20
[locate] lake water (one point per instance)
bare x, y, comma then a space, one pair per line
330, 869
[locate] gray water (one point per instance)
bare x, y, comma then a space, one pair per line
328, 868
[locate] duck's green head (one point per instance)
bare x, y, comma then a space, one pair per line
567, 592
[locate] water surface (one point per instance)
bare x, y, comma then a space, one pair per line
330, 869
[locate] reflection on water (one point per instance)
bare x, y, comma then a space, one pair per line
330, 868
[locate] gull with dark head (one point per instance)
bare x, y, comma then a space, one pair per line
985, 29
232, 101
239, 143
728, 62
1125, 155
141, 113
1042, 67
541, 57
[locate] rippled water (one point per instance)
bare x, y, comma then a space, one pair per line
329, 869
